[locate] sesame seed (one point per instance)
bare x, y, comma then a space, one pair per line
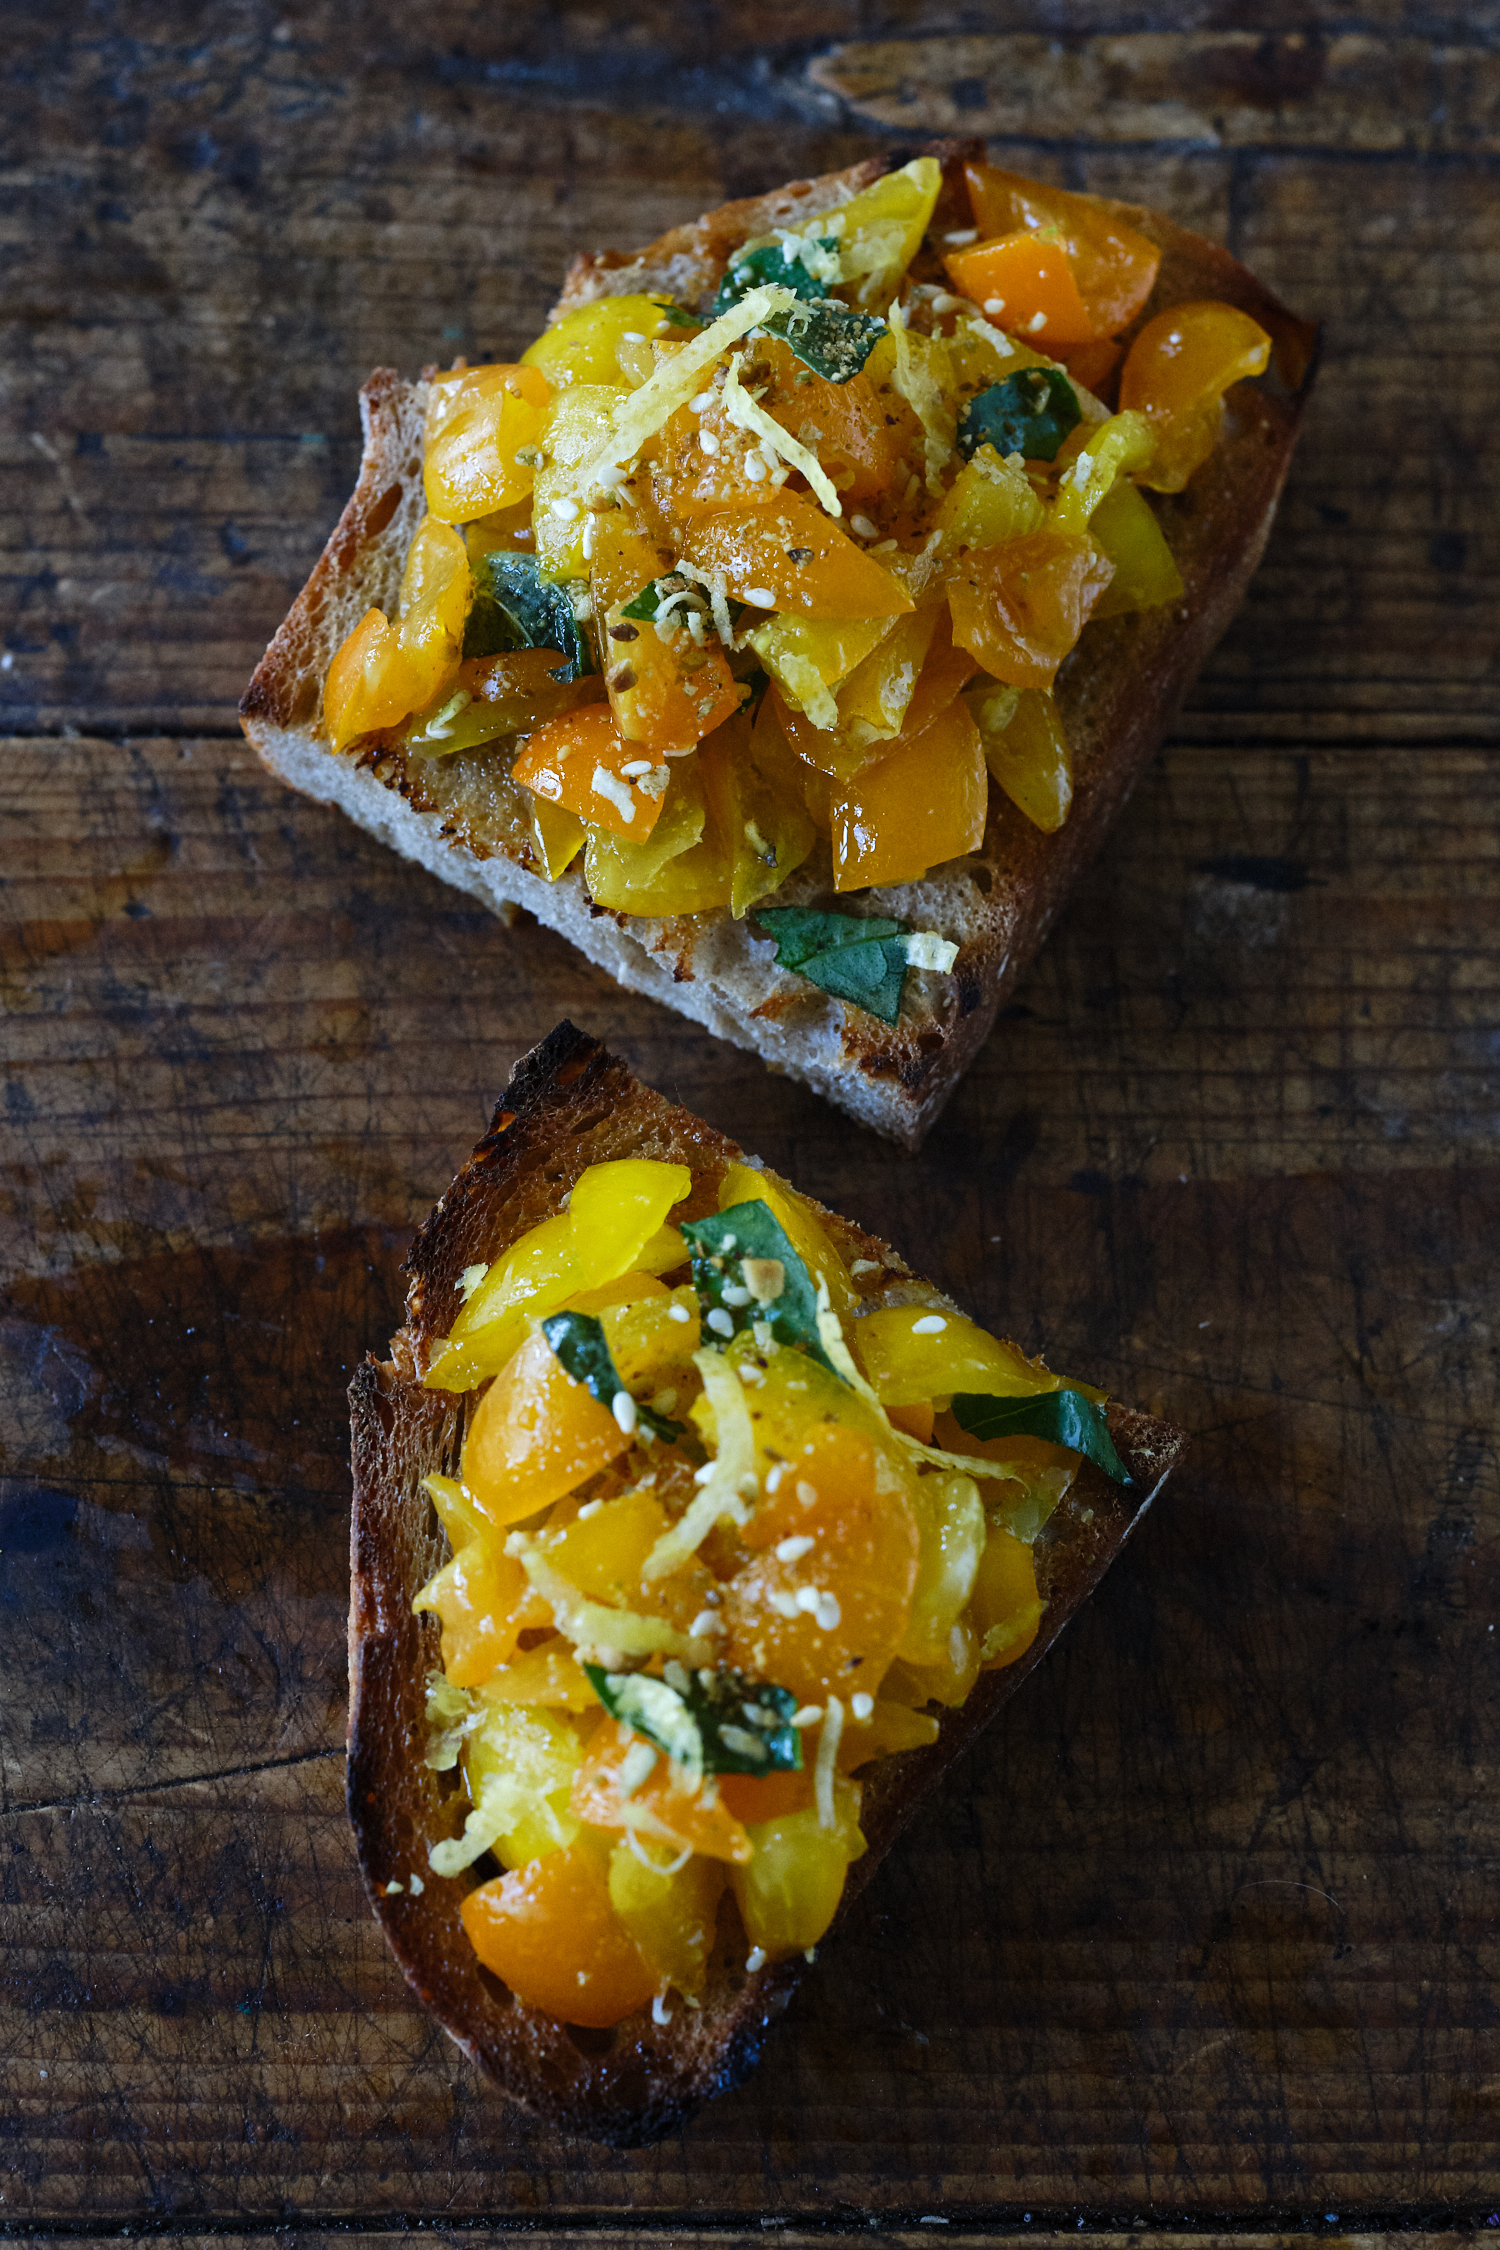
680, 1313
862, 1706
994, 304
636, 767
708, 441
755, 468
808, 1715
701, 403
1037, 322
565, 510
623, 633
962, 235
806, 1493
622, 1406
756, 1958
862, 527
932, 1324
720, 1322
620, 679
944, 303
793, 1550
761, 596
632, 336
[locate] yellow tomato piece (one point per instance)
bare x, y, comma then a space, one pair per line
1004, 1606
477, 421
603, 1553
383, 672
743, 1183
948, 1678
988, 503
599, 342
755, 803
548, 1674
891, 1726
1176, 373
535, 1434
496, 695
1027, 751
874, 699
371, 684
1122, 446
665, 691
574, 425
921, 804
549, 1932
1125, 529
1027, 284
683, 868
518, 1766
670, 1916
559, 836
1114, 266
809, 657
507, 531
789, 1890
951, 1531
907, 1358
615, 1211
792, 557
652, 1341
485, 1603
879, 231
1020, 608
583, 762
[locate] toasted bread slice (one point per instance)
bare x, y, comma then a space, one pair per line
568, 1105
1116, 695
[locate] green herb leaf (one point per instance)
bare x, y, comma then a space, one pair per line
516, 607
580, 1343
753, 269
676, 315
1030, 413
1062, 1417
827, 337
718, 1248
853, 957
648, 602
709, 1722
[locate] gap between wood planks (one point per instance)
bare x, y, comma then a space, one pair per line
82, 1800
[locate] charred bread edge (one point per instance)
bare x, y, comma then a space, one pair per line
1118, 693
569, 1104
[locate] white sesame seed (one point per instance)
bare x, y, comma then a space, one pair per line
932, 1324
706, 1621
588, 540
679, 1313
708, 441
755, 468
806, 1493
720, 1322
761, 596
736, 1295
994, 304
701, 1476
1036, 322
632, 336
862, 1706
622, 1406
756, 1958
660, 2012
827, 1614
808, 1716
565, 510
961, 235
807, 1599
944, 303
773, 1480
636, 767
792, 1550
701, 403
862, 527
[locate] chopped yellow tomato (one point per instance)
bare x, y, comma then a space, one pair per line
877, 233
1124, 528
603, 1554
755, 804
1176, 373
1020, 608
574, 425
478, 421
912, 1352
669, 1912
1113, 265
601, 342
988, 503
1027, 751
549, 1675
583, 762
559, 836
924, 802
744, 1183
485, 1604
684, 867
536, 1434
384, 672
549, 1932
789, 1890
666, 690
518, 1766
499, 695
1005, 1607
1024, 282
792, 557
951, 1533
808, 658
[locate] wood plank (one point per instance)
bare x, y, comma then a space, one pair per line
1206, 1925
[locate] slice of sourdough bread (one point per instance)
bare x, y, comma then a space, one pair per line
569, 1104
458, 816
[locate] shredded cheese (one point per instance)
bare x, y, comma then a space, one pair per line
591, 1624
926, 950
733, 1462
923, 393
744, 411
827, 1763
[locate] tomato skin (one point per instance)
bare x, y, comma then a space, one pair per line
754, 549
1020, 608
549, 1932
536, 1434
1030, 283
920, 804
1114, 266
485, 1603
562, 760
1176, 373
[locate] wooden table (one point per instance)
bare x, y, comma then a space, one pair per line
1205, 1935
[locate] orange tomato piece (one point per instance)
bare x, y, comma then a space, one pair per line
1020, 607
580, 761
685, 479
370, 683
792, 557
602, 1554
923, 803
549, 1932
476, 421
1025, 282
485, 1603
384, 672
826, 1619
858, 435
664, 691
535, 1435
1176, 373
916, 1420
753, 1797
517, 690
1092, 364
660, 1808
1114, 266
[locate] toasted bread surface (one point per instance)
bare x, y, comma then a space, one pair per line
569, 1104
1116, 694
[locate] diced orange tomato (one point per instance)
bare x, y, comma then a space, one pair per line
666, 693
862, 1566
1020, 608
477, 419
549, 1932
1025, 283
1176, 374
384, 672
1115, 267
923, 803
535, 1435
566, 759
793, 557
686, 479
517, 690
485, 1603
916, 1420
860, 436
370, 685
660, 1808
754, 1797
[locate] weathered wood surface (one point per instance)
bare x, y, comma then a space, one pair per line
1209, 1926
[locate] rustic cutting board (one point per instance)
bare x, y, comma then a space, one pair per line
1207, 1929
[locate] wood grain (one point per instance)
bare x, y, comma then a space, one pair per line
1205, 1932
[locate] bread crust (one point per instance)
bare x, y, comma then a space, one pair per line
570, 1104
1117, 694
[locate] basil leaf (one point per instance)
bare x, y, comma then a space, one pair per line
718, 1248
676, 315
753, 269
1030, 413
516, 607
827, 337
710, 1722
648, 602
1063, 1417
580, 1343
852, 957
